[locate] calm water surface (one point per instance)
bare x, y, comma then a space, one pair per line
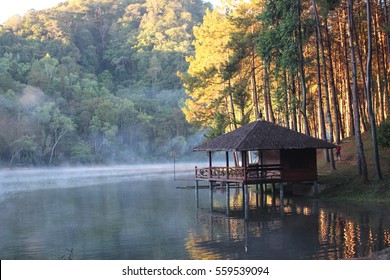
114, 213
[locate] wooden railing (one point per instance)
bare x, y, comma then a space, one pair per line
264, 172
252, 173
231, 173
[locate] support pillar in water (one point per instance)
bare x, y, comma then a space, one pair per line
211, 196
227, 199
197, 193
246, 201
263, 195
273, 196
315, 188
281, 190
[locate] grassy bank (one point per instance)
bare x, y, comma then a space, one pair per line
346, 184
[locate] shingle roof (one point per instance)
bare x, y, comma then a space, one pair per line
262, 135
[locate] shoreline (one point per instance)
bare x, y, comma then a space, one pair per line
380, 255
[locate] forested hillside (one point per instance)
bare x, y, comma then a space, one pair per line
319, 67
95, 81
103, 81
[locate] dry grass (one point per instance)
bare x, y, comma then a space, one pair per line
346, 184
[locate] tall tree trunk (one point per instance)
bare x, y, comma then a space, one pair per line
286, 103
302, 71
254, 85
340, 82
369, 97
378, 104
363, 107
348, 115
329, 156
267, 98
386, 96
293, 102
385, 51
321, 117
266, 85
358, 138
386, 15
336, 111
231, 103
233, 121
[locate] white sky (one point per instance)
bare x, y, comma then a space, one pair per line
9, 8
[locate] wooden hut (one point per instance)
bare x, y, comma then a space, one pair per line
262, 152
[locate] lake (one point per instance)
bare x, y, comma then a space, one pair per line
121, 213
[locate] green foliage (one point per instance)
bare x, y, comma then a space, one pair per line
384, 134
23, 148
95, 81
81, 152
5, 149
218, 128
277, 41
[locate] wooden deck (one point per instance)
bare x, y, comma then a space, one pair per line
253, 174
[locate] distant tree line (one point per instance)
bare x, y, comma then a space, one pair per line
96, 82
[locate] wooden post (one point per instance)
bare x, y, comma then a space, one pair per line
210, 165
227, 199
315, 188
261, 190
197, 193
281, 190
243, 195
273, 196
281, 199
244, 164
227, 165
211, 196
264, 194
246, 201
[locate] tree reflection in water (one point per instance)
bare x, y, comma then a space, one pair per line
287, 228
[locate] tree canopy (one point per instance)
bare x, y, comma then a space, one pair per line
318, 67
96, 81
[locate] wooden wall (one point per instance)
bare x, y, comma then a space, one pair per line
299, 165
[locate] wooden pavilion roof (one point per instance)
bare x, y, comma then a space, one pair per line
263, 135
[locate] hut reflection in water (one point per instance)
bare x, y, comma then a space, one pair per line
271, 226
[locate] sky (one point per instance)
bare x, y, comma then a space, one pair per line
10, 8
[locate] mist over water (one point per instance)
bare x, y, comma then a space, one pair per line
25, 179
140, 212
48, 211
